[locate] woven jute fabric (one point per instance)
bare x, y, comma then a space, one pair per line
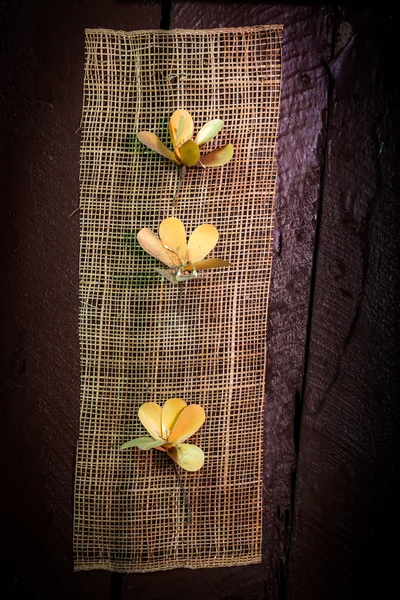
146, 339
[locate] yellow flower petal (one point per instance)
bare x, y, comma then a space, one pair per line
173, 236
150, 417
208, 131
218, 157
151, 141
189, 153
180, 127
151, 244
189, 421
170, 412
187, 130
188, 456
201, 242
208, 263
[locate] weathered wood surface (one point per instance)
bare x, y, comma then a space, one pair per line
346, 528
349, 451
42, 57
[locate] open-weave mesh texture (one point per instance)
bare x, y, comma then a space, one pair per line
146, 339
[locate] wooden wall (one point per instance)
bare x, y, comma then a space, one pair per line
332, 401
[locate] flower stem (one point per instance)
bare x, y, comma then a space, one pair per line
180, 299
182, 172
188, 509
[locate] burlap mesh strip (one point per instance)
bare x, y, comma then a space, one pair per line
143, 338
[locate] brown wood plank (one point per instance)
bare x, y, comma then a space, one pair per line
346, 528
42, 54
300, 154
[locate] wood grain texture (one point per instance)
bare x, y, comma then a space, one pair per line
233, 583
42, 47
346, 503
300, 144
346, 526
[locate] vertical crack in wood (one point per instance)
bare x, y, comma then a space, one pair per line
166, 14
299, 396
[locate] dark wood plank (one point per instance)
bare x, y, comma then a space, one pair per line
233, 583
300, 154
42, 55
346, 529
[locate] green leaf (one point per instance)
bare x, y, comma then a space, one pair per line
133, 246
138, 280
144, 443
131, 144
208, 131
163, 129
130, 241
188, 456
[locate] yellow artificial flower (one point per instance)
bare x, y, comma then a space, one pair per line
169, 427
186, 150
183, 259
